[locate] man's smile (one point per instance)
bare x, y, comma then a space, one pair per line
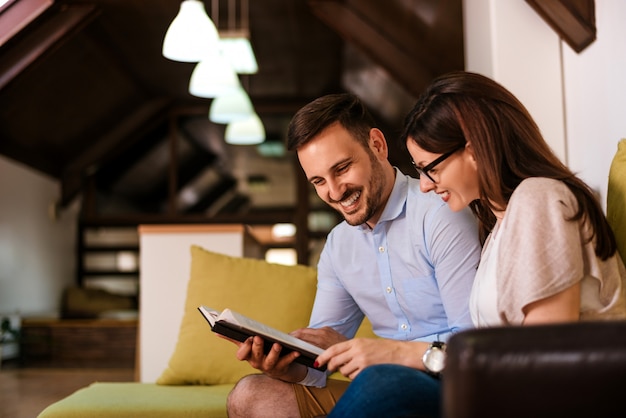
350, 200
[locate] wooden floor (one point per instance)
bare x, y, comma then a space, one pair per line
25, 392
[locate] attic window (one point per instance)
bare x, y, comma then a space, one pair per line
16, 14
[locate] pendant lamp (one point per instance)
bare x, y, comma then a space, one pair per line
235, 42
231, 107
192, 36
213, 77
235, 46
249, 131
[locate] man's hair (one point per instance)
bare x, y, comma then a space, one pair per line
313, 118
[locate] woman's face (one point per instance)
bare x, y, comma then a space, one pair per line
455, 178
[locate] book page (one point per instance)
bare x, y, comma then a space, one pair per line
260, 329
211, 315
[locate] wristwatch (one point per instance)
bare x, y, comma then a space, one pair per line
434, 358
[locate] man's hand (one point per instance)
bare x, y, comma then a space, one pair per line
320, 337
352, 356
272, 364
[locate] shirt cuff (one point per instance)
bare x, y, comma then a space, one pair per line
314, 377
441, 336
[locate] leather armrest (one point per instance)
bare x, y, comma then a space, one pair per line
565, 370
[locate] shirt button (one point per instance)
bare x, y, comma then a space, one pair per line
404, 327
389, 289
381, 249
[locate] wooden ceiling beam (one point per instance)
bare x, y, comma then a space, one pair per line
431, 30
19, 54
573, 20
112, 142
16, 15
396, 38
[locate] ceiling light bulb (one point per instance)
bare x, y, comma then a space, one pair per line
230, 107
283, 230
192, 35
213, 77
249, 131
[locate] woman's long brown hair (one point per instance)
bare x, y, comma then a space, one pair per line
463, 107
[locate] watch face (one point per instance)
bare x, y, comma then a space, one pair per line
434, 359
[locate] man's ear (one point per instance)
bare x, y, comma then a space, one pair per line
378, 143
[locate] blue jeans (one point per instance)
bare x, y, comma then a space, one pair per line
390, 390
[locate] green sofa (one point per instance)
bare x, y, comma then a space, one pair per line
141, 400
203, 368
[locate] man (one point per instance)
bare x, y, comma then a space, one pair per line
401, 258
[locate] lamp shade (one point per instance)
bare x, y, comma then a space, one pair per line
238, 52
230, 107
249, 131
213, 77
192, 35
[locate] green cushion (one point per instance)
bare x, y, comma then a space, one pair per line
278, 295
141, 400
616, 197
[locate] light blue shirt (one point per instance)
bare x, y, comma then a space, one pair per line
411, 275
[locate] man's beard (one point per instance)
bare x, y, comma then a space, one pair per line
374, 195
361, 219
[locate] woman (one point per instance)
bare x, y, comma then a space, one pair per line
549, 254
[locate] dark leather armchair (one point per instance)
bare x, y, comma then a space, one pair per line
566, 370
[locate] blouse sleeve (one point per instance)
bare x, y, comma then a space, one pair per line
541, 252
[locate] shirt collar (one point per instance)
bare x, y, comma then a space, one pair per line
396, 202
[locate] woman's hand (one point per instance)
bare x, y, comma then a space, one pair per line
352, 356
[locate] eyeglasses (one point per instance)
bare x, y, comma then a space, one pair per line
424, 171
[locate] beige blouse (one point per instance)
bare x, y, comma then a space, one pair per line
538, 253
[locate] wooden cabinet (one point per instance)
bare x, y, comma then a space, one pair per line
76, 343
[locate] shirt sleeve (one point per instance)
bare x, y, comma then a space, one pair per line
334, 306
541, 251
454, 246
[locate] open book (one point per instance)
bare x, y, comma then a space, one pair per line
239, 327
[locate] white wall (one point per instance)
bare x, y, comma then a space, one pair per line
595, 96
578, 100
508, 42
37, 254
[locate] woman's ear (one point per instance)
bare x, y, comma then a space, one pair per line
470, 156
469, 151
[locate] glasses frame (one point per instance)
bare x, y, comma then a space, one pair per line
433, 164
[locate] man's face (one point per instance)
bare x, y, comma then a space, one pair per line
345, 175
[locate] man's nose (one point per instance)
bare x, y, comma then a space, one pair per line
335, 190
